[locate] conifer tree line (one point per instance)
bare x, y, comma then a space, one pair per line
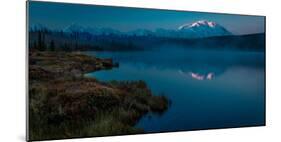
43, 40
41, 44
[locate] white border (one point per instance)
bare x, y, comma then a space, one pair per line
12, 58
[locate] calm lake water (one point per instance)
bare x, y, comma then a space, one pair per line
207, 89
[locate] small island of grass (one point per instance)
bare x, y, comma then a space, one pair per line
63, 103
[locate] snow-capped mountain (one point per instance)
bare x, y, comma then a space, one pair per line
37, 27
141, 32
75, 28
202, 28
94, 31
198, 29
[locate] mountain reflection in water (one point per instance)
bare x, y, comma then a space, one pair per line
207, 88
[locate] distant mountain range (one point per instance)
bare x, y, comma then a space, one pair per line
199, 34
198, 29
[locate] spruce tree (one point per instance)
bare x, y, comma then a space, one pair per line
52, 45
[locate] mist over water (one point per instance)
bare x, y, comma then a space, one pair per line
207, 88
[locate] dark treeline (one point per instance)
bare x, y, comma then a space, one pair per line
60, 41
47, 40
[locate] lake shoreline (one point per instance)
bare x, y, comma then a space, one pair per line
200, 85
64, 103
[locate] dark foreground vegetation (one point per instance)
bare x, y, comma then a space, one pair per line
65, 104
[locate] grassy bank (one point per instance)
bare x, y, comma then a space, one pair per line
65, 104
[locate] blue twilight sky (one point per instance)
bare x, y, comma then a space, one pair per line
61, 15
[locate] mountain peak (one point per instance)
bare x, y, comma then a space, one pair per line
74, 27
203, 28
198, 24
38, 27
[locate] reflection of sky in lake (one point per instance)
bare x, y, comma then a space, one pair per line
234, 96
186, 60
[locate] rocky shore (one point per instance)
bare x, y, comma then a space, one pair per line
65, 104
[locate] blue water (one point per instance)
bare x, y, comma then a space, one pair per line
207, 88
